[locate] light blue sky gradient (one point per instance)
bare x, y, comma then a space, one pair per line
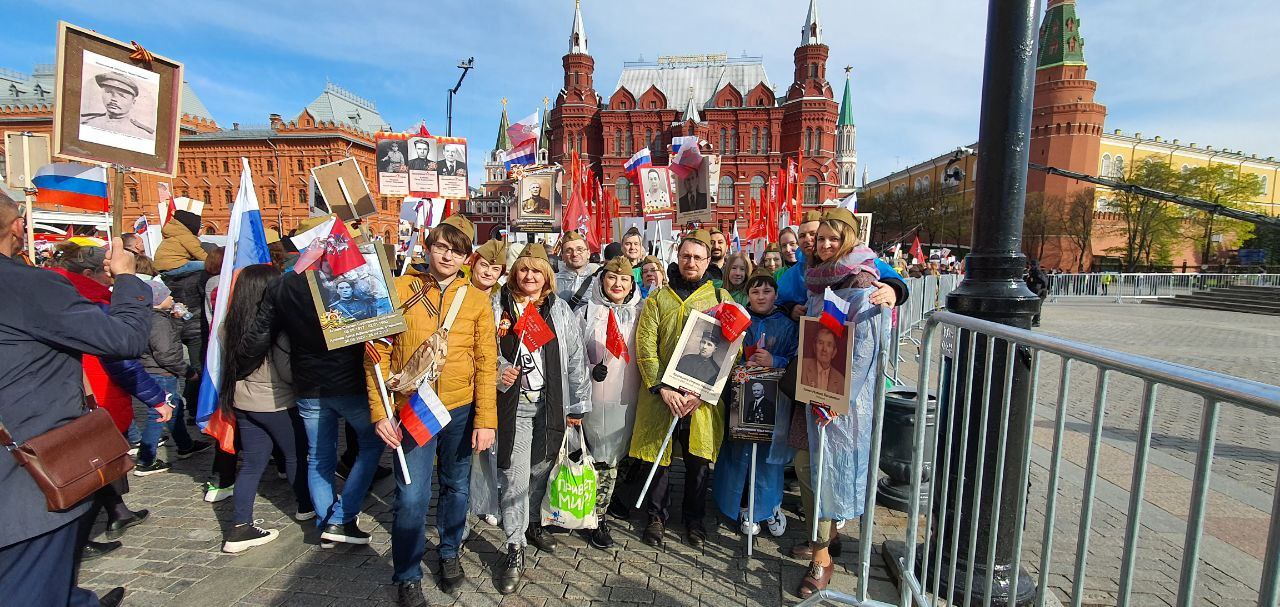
1197, 71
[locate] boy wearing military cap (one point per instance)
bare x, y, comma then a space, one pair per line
450, 318
701, 426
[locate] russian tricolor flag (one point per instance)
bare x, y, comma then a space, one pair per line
424, 416
72, 185
638, 161
246, 246
835, 312
522, 154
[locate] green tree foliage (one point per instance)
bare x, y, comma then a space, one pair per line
1150, 227
1220, 184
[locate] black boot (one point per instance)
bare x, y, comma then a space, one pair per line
541, 539
600, 537
513, 570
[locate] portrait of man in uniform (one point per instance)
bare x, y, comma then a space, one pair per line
118, 104
420, 148
701, 363
824, 366
536, 202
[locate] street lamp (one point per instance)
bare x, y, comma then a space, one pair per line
465, 65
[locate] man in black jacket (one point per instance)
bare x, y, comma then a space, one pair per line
330, 386
45, 325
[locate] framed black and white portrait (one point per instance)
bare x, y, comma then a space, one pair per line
702, 358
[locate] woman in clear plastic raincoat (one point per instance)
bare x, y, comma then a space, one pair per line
615, 379
842, 264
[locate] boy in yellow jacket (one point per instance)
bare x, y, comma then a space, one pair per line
466, 384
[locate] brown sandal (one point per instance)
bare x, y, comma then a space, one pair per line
817, 579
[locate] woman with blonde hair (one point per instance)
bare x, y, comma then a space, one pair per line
542, 391
737, 269
843, 264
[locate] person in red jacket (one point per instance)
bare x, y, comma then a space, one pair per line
114, 383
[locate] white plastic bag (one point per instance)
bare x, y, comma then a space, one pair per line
570, 501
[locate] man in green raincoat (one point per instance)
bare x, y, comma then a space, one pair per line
701, 426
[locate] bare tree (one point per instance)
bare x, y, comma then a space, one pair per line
1077, 224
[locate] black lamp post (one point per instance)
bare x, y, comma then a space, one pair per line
993, 290
465, 65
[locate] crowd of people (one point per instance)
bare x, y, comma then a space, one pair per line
135, 330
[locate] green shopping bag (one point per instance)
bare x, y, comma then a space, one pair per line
570, 501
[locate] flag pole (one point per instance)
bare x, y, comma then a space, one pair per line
817, 485
654, 469
28, 191
386, 407
751, 500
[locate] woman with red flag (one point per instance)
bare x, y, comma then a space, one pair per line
258, 391
542, 390
609, 326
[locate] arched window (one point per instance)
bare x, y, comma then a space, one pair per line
133, 194
271, 197
581, 147
226, 194
622, 189
302, 196
207, 196
811, 190
808, 142
925, 182
648, 139
767, 140
813, 70
817, 144
1264, 184
755, 141
1106, 166
733, 141
726, 191
631, 144
617, 141
1187, 168
724, 141
1117, 167
757, 187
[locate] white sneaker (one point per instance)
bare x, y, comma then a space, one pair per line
747, 527
491, 519
840, 524
216, 494
777, 523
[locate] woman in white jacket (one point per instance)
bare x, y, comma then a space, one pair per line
615, 379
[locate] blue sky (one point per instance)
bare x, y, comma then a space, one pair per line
1177, 68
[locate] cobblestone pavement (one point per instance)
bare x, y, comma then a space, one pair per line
174, 558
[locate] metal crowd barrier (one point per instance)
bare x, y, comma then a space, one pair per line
1118, 287
925, 294
1001, 444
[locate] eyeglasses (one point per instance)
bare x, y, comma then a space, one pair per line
692, 259
444, 250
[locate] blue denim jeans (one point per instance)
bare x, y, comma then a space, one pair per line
154, 429
449, 454
320, 417
184, 269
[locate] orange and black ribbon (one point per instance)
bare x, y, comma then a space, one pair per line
140, 54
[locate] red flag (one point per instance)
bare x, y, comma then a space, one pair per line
166, 196
916, 252
532, 329
222, 427
422, 130
614, 341
749, 350
733, 319
336, 249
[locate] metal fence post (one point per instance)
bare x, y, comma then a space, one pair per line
993, 290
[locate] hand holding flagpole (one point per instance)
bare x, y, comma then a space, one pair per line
386, 406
